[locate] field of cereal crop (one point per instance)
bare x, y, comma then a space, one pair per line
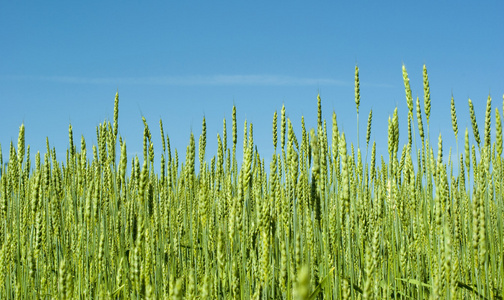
318, 222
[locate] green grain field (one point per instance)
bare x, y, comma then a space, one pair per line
321, 221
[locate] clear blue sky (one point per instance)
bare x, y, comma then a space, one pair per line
62, 62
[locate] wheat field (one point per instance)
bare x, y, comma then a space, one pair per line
318, 222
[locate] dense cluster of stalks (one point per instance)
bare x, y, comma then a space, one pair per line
318, 222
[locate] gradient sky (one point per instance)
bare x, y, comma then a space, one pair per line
62, 62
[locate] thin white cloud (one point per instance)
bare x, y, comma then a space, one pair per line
212, 80
377, 85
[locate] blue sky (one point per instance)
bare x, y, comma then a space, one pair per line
62, 62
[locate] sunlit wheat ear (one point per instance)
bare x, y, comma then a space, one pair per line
335, 136
21, 144
315, 154
283, 266
482, 230
345, 176
410, 133
368, 288
202, 143
62, 274
162, 135
439, 163
390, 137
498, 132
245, 137
454, 118
70, 140
224, 135
474, 162
395, 121
116, 114
488, 121
409, 98
357, 89
275, 130
474, 124
373, 161
454, 263
83, 153
427, 100
467, 150
191, 158
368, 132
319, 111
282, 127
419, 120
476, 228
235, 134
375, 253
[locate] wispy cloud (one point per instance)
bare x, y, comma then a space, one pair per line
199, 80
212, 80
377, 85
